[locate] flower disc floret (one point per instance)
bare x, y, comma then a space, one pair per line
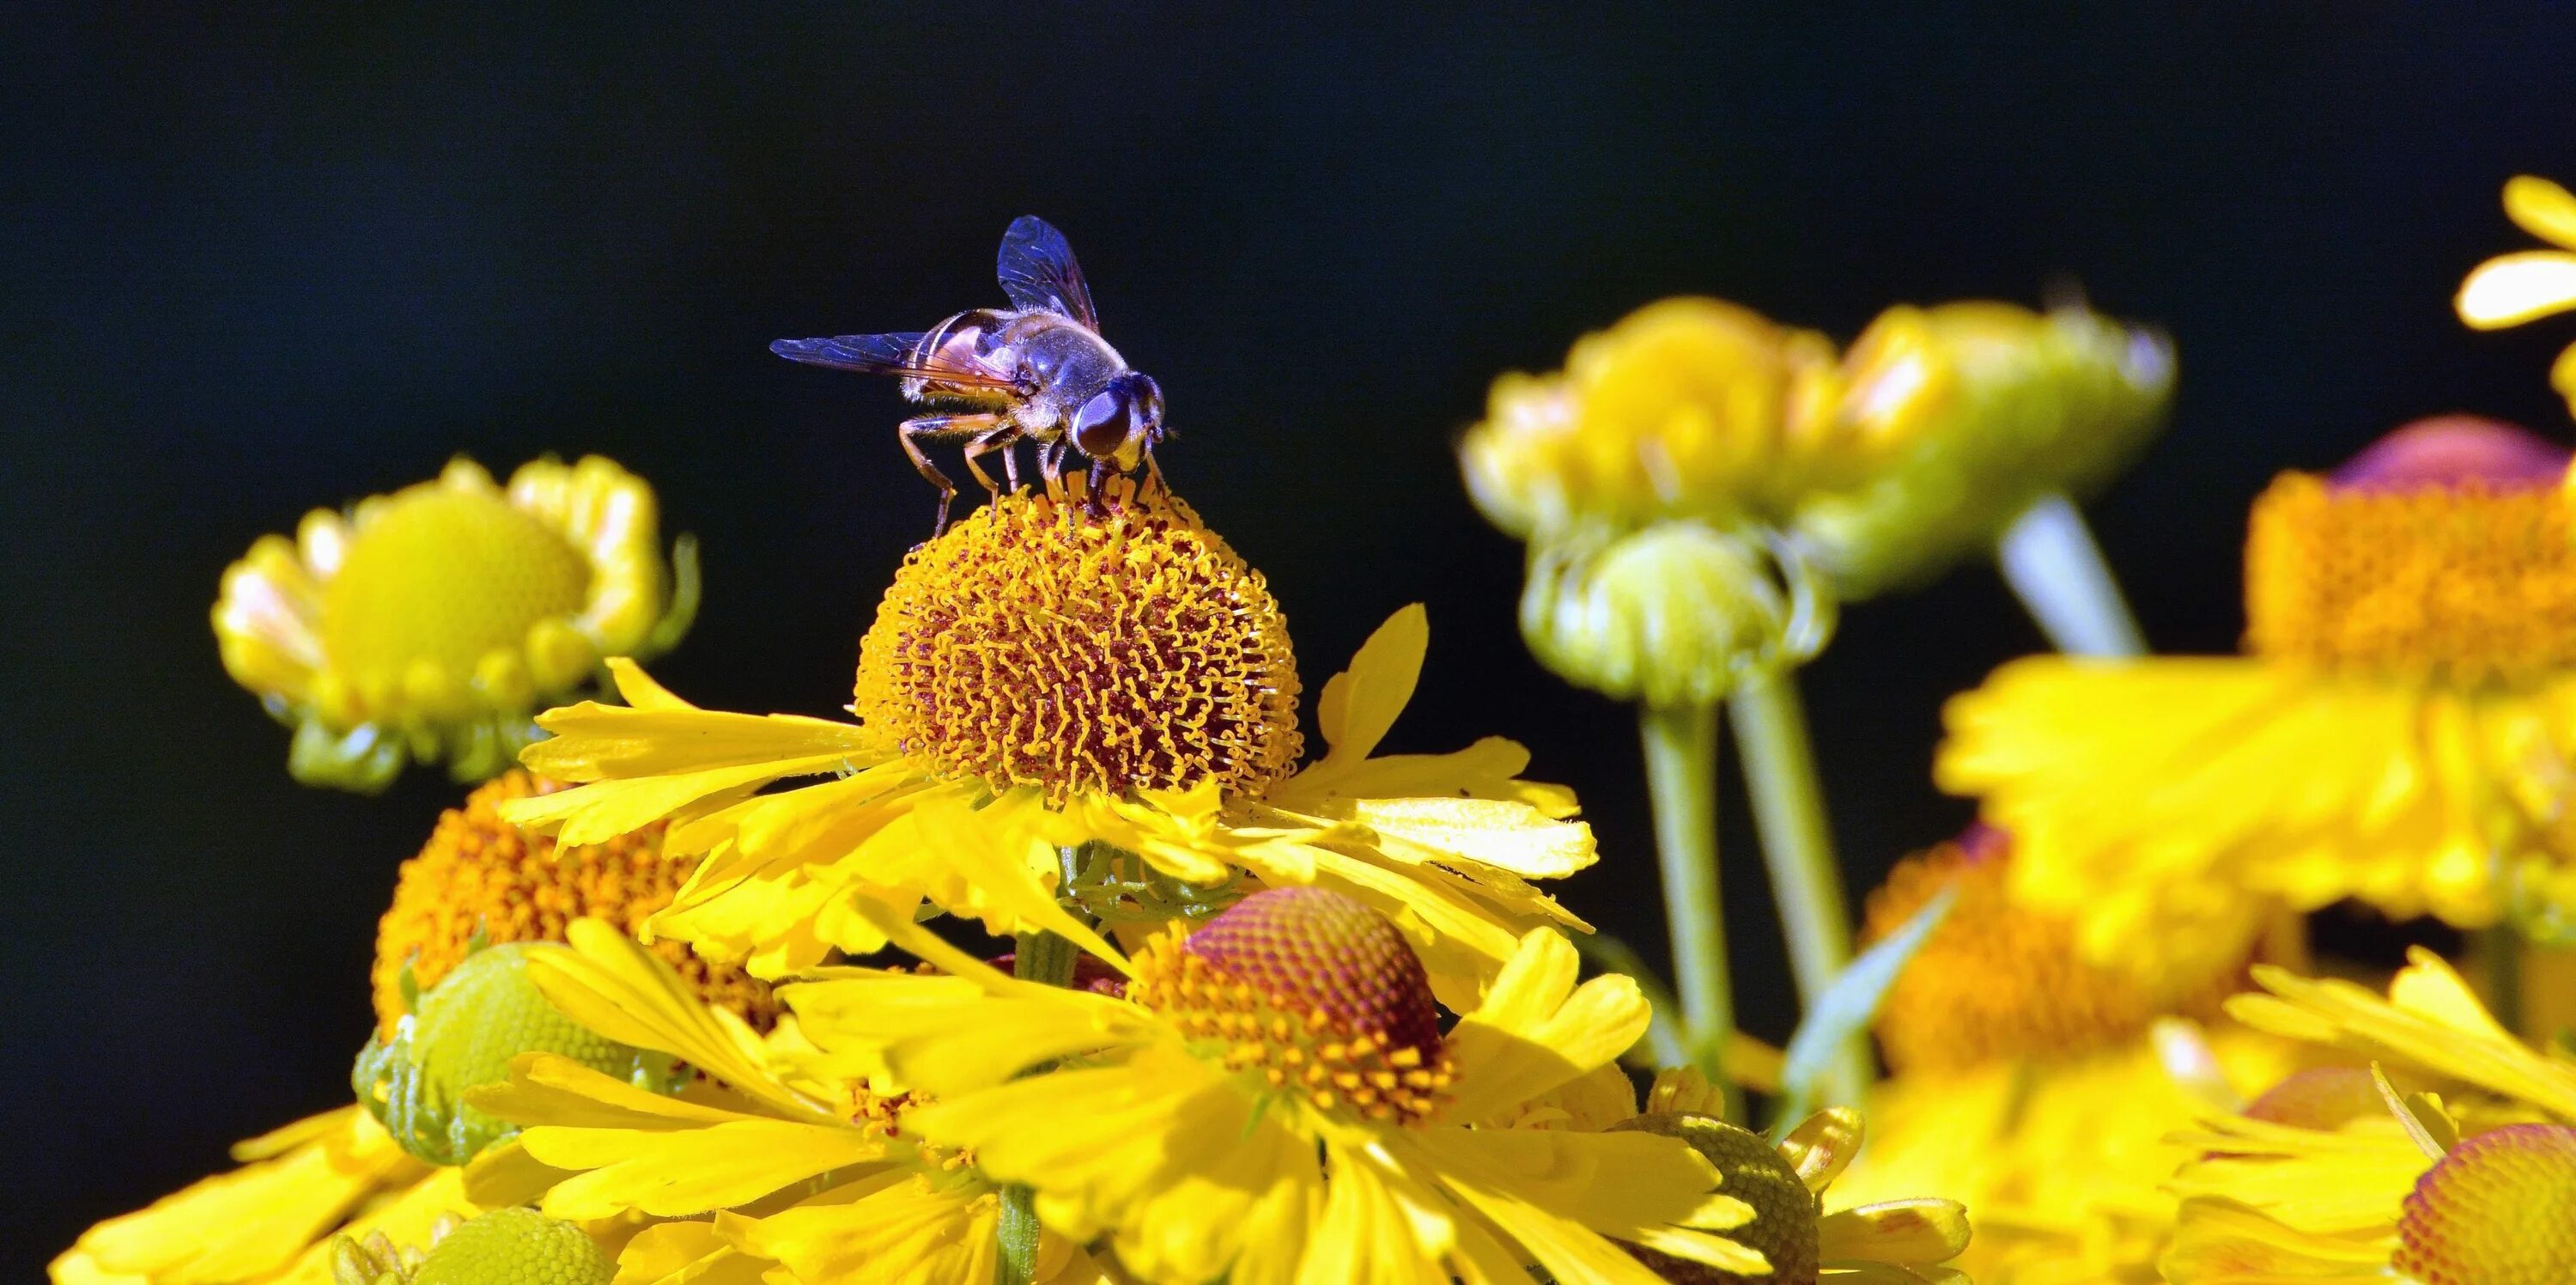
480, 877
2500, 1209
2445, 551
1316, 992
1998, 980
1084, 650
1784, 1211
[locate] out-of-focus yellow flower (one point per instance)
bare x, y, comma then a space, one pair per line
2480, 1188
1273, 1100
1045, 677
785, 1163
2034, 1085
1895, 1241
1688, 408
2404, 732
430, 623
1670, 616
2511, 289
1973, 412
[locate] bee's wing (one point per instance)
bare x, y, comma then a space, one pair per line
1038, 271
897, 354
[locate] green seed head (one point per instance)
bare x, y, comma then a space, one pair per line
503, 1247
463, 1034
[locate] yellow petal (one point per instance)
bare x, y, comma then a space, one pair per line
897, 1228
1822, 1146
1897, 1231
1361, 703
2510, 289
1537, 1029
686, 1253
2219, 1242
2541, 208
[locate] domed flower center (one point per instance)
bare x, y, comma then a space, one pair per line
1316, 992
2443, 551
1038, 643
1784, 1225
2499, 1210
479, 874
1999, 981
443, 576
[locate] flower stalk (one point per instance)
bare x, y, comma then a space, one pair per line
1046, 958
2049, 557
1681, 777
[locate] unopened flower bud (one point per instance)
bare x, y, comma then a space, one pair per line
1965, 414
1670, 616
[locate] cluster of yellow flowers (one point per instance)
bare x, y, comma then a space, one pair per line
663, 1002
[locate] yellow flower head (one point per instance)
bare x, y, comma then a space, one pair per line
1966, 413
431, 622
481, 878
506, 1245
1688, 408
1271, 1101
1901, 1240
1063, 704
2000, 982
2400, 735
2511, 289
2478, 1188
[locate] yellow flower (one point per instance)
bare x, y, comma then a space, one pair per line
1273, 1100
2421, 1189
1060, 704
2033, 1084
840, 1188
2404, 732
2511, 289
1895, 1241
431, 622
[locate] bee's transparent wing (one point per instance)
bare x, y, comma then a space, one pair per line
1037, 271
897, 354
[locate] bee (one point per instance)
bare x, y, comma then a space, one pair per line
1035, 372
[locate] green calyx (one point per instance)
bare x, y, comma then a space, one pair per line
503, 1247
462, 1034
1672, 616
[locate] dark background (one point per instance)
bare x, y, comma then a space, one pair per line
256, 265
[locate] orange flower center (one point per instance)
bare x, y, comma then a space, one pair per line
1039, 643
1998, 980
2445, 550
2499, 1210
480, 874
1313, 991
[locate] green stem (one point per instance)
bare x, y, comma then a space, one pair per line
2499, 950
1681, 776
2049, 558
1789, 811
1039, 957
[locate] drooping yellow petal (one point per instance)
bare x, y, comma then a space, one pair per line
2431, 1021
1367, 1233
976, 862
2219, 1242
686, 1253
1492, 832
1537, 1029
2511, 289
1822, 1146
614, 986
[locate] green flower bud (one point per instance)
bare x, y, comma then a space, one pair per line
503, 1247
1982, 409
1669, 616
463, 1034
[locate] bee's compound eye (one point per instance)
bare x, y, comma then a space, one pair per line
1102, 425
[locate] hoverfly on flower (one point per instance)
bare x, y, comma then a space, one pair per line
1037, 371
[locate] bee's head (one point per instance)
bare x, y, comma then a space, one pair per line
1121, 420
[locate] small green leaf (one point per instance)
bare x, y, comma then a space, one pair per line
1847, 1006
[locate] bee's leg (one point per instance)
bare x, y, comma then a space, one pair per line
1011, 464
1051, 466
1098, 484
998, 438
913, 432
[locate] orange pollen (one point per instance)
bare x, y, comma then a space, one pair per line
880, 1116
1313, 995
2500, 1209
2001, 981
480, 874
1040, 643
2443, 552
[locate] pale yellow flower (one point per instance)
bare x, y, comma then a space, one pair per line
2526, 285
